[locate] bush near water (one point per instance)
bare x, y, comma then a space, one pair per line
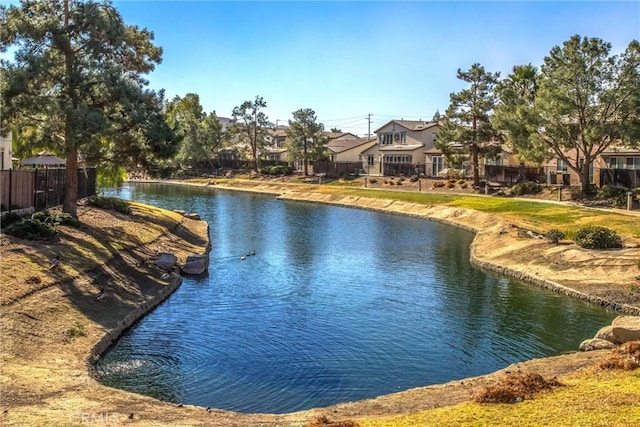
595, 237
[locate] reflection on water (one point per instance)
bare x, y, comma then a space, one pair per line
337, 305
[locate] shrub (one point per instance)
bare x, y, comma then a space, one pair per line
9, 218
60, 218
280, 170
414, 178
554, 235
373, 180
438, 184
64, 218
595, 237
461, 181
450, 184
402, 179
110, 203
526, 187
392, 183
618, 195
464, 185
452, 181
32, 230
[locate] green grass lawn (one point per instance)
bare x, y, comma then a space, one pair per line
538, 215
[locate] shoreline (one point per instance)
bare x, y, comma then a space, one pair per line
102, 402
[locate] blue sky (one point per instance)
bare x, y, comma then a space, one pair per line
346, 60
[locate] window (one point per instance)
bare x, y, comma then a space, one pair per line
397, 158
616, 163
280, 142
498, 161
370, 159
438, 165
633, 162
561, 166
390, 138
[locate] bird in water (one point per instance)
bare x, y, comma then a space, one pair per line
100, 295
54, 263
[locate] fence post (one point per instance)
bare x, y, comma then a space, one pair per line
35, 189
10, 185
559, 194
629, 200
419, 184
365, 182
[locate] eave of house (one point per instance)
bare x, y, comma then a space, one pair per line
401, 147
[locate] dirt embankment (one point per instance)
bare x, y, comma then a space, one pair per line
51, 323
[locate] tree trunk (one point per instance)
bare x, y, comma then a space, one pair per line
474, 164
71, 150
71, 186
306, 159
585, 176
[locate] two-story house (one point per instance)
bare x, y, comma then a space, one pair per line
403, 146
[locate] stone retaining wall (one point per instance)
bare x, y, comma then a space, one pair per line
135, 315
130, 319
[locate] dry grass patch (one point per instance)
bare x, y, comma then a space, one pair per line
324, 421
588, 399
626, 357
515, 388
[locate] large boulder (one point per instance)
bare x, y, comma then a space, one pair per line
626, 328
596, 344
196, 264
166, 261
606, 333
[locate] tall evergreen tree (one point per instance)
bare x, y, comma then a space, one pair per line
467, 120
583, 101
76, 82
250, 126
587, 100
305, 134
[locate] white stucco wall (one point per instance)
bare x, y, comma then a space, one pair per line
5, 151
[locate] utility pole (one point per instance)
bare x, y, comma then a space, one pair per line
369, 127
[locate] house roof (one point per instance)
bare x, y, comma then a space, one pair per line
337, 135
277, 150
278, 132
433, 150
414, 125
340, 145
618, 150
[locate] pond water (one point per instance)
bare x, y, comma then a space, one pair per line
336, 305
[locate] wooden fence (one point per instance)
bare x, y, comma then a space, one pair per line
629, 178
39, 189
